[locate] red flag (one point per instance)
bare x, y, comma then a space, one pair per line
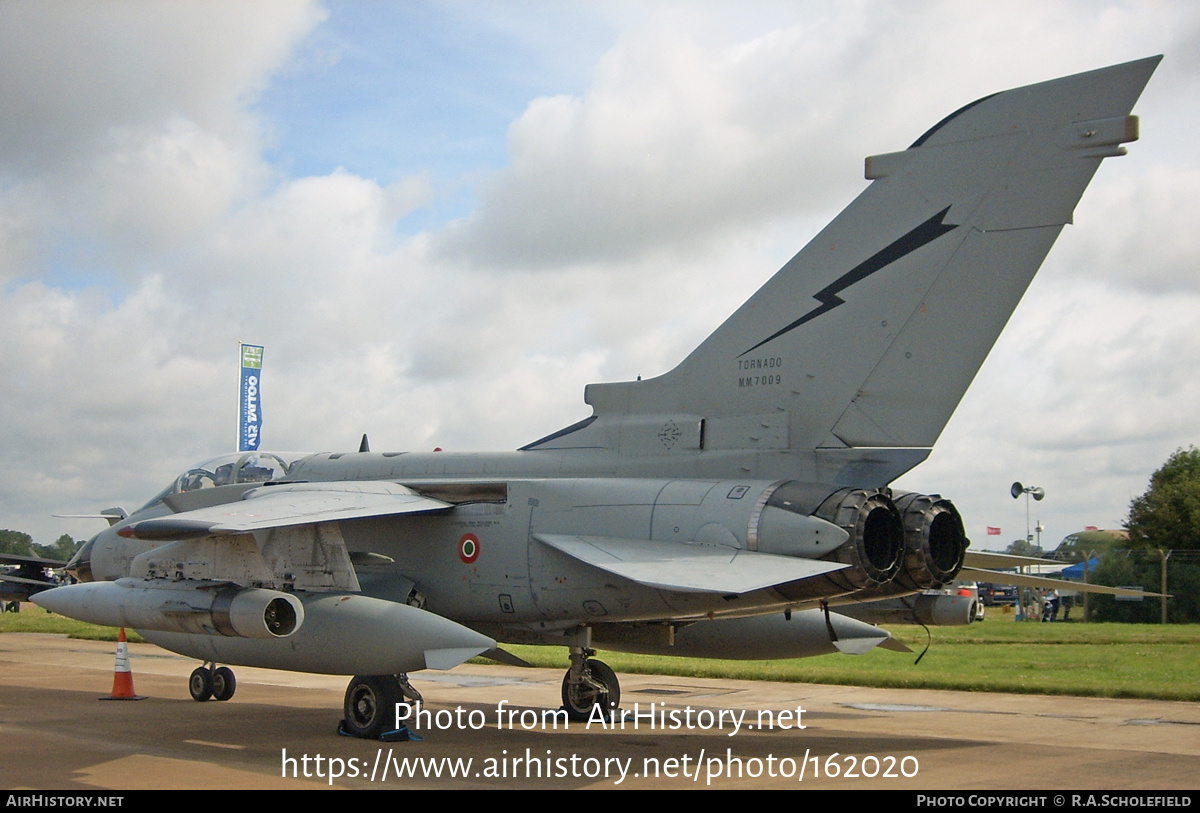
993, 531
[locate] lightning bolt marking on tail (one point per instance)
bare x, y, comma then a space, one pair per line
923, 234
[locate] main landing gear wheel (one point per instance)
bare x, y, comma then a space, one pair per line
217, 684
200, 684
598, 686
224, 684
371, 705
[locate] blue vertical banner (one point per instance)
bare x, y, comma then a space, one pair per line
250, 406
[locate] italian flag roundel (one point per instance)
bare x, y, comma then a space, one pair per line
468, 548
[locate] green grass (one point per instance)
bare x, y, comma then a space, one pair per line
34, 619
1091, 660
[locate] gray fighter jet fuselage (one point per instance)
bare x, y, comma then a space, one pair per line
718, 510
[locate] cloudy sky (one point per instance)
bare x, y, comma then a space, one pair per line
443, 219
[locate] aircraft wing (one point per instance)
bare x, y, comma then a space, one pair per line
30, 563
687, 567
984, 559
28, 578
977, 564
284, 505
16, 588
994, 577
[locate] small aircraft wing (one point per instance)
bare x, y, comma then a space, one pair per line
1019, 580
977, 566
16, 588
28, 578
278, 506
686, 566
34, 564
990, 561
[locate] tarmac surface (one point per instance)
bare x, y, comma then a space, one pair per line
56, 735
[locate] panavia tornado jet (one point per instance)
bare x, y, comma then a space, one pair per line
725, 509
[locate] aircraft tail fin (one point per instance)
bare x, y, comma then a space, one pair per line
870, 335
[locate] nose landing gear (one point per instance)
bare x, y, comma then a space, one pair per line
589, 684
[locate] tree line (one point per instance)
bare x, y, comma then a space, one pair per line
19, 543
1162, 530
1162, 523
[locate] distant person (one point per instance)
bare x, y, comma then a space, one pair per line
1050, 606
1033, 608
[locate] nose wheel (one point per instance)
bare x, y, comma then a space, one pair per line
589, 684
216, 683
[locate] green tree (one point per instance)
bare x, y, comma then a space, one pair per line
16, 542
1143, 568
63, 548
1023, 547
1167, 516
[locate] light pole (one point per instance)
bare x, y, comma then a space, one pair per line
1039, 494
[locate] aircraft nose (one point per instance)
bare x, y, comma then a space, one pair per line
80, 566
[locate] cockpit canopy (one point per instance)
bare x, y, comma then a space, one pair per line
228, 469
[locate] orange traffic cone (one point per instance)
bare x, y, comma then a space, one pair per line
122, 677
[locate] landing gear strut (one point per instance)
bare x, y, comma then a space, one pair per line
588, 684
371, 702
216, 682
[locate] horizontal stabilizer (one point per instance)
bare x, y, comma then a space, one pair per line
279, 506
995, 577
686, 566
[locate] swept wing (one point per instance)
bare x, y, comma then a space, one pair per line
284, 505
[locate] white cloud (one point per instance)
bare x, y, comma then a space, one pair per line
126, 125
685, 135
74, 70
